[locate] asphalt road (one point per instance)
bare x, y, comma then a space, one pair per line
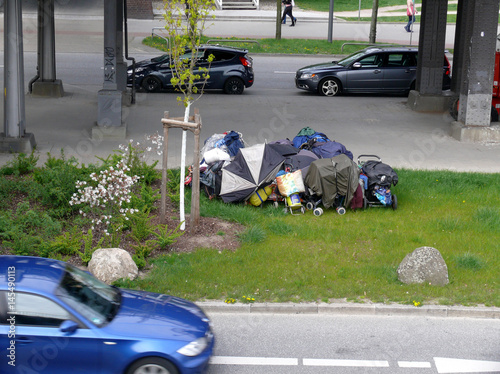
270, 110
312, 344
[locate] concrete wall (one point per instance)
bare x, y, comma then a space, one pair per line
141, 9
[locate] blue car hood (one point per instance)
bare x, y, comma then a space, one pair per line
152, 315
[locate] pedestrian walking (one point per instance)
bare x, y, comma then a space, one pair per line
288, 11
410, 12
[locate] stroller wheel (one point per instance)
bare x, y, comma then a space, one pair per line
317, 212
341, 210
309, 205
302, 209
394, 202
275, 204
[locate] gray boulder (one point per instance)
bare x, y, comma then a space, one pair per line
424, 265
111, 264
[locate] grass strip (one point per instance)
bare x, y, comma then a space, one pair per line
303, 258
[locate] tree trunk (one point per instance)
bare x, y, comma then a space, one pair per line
373, 25
278, 19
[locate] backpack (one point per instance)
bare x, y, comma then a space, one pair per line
379, 174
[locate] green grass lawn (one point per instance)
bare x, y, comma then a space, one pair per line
283, 46
282, 257
355, 256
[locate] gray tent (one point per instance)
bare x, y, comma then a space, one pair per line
329, 177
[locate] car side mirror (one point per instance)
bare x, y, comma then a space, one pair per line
356, 65
68, 326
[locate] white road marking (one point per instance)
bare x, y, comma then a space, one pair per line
443, 365
284, 72
455, 365
230, 360
414, 364
345, 363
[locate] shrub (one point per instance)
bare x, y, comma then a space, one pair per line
57, 183
20, 165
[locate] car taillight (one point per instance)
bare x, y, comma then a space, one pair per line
447, 66
245, 62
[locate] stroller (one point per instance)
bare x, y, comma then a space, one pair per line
331, 182
377, 178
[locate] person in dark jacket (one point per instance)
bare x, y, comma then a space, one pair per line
288, 12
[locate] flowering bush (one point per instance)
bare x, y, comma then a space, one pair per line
106, 197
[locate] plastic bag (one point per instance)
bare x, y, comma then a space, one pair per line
290, 183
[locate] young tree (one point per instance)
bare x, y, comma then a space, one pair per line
185, 23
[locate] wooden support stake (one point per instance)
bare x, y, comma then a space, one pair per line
164, 172
195, 128
195, 189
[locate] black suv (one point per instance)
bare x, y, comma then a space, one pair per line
230, 70
372, 70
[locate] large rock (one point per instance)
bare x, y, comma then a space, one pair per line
110, 264
424, 265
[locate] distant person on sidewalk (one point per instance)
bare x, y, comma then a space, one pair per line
288, 11
284, 15
410, 12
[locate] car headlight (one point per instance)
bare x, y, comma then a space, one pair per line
137, 70
307, 75
194, 348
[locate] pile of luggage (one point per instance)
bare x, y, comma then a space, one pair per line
311, 171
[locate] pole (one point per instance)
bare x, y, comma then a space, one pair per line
330, 23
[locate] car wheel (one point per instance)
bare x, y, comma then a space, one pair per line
151, 84
152, 365
329, 87
234, 86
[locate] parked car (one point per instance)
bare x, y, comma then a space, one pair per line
372, 70
231, 70
58, 319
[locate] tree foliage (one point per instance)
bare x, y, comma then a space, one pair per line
185, 23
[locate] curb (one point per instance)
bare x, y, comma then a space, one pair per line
212, 307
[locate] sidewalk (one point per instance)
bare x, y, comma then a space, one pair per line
314, 25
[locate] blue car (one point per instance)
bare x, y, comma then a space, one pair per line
56, 318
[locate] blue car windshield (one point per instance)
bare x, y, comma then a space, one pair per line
350, 59
93, 299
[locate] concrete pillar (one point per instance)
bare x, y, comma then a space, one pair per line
431, 47
46, 84
474, 115
121, 64
463, 8
109, 100
14, 138
429, 88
